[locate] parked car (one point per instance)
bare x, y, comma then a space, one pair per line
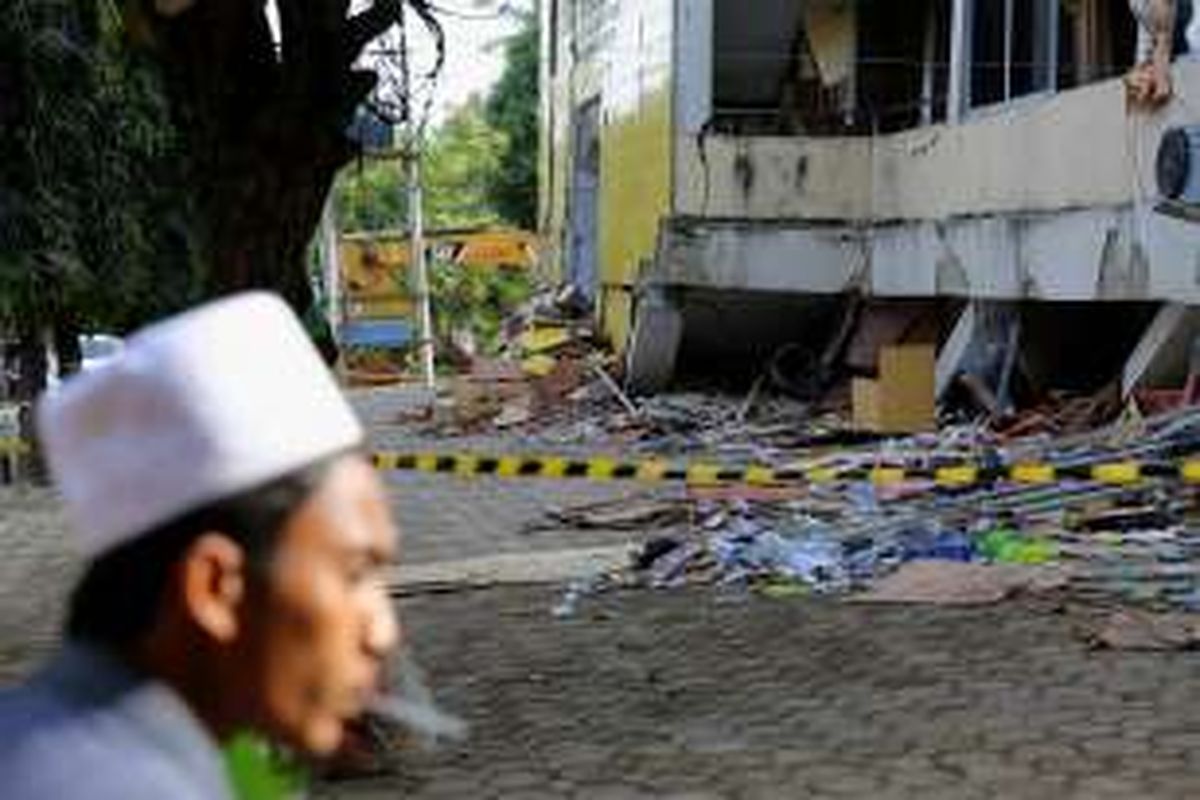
94, 350
97, 348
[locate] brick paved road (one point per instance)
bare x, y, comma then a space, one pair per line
698, 695
36, 567
454, 518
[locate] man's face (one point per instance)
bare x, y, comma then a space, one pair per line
321, 624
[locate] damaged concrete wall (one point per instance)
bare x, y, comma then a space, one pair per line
773, 177
1077, 149
1049, 198
1120, 253
635, 153
771, 258
1049, 256
1068, 151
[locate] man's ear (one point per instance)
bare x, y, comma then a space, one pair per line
213, 585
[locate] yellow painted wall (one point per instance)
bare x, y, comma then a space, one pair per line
635, 194
629, 70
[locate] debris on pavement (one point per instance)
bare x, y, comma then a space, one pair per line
599, 564
1131, 629
621, 514
1135, 542
948, 583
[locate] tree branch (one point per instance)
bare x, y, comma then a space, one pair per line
425, 12
362, 29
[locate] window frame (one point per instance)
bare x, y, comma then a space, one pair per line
963, 104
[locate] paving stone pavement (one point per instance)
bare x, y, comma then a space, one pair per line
450, 518
699, 694
445, 518
37, 565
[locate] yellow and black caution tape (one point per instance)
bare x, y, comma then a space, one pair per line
949, 476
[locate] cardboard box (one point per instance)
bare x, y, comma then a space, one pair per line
901, 399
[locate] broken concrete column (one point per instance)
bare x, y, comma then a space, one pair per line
654, 344
1161, 357
984, 343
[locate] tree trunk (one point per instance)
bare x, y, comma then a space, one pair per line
66, 346
31, 382
264, 125
262, 211
32, 365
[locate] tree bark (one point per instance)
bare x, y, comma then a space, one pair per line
264, 126
66, 346
32, 368
32, 365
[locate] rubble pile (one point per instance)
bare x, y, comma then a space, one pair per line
1136, 543
881, 541
545, 363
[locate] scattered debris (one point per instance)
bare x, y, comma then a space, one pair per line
516, 412
947, 583
612, 386
508, 569
917, 542
1138, 542
621, 514
1130, 629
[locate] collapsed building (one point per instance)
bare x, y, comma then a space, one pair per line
723, 178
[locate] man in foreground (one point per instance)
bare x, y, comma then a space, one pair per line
235, 536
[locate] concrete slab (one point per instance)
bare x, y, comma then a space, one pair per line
512, 569
654, 344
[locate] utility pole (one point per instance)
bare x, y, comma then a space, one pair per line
330, 268
414, 149
420, 268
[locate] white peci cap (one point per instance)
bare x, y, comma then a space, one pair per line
197, 408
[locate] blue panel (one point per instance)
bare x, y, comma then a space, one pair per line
374, 135
377, 333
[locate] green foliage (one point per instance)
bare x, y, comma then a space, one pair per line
369, 196
460, 159
512, 109
479, 170
480, 165
86, 149
477, 300
459, 166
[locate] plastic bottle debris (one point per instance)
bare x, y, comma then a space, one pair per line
846, 532
576, 590
1004, 546
930, 541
